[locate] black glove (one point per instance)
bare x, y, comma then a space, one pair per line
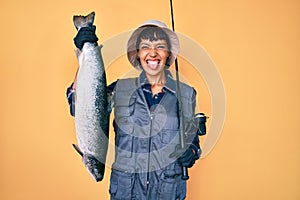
85, 34
186, 157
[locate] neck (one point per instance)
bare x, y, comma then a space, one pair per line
157, 79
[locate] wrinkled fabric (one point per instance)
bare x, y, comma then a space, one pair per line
145, 137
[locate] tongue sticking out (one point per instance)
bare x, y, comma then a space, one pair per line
153, 64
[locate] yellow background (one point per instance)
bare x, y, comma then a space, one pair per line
254, 43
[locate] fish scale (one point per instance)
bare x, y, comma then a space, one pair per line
91, 104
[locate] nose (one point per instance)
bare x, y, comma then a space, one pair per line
153, 52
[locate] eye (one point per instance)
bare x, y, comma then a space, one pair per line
161, 46
144, 46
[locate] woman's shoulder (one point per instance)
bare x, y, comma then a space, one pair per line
123, 84
187, 90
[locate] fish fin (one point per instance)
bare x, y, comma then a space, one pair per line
77, 52
100, 47
76, 147
84, 21
79, 55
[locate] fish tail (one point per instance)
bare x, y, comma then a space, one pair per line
83, 21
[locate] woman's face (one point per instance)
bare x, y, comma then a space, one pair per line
153, 56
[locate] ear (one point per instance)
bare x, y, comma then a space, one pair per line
168, 60
138, 59
170, 55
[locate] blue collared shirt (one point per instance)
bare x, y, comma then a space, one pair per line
150, 98
146, 86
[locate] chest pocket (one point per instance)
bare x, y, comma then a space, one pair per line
124, 144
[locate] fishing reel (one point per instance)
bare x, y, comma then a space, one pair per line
200, 120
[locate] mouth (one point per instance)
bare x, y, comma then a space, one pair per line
153, 64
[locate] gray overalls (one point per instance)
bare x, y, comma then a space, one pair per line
145, 137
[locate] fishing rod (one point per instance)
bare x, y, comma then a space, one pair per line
185, 175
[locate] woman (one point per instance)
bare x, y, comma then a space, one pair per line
148, 161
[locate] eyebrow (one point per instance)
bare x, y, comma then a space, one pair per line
160, 43
143, 43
